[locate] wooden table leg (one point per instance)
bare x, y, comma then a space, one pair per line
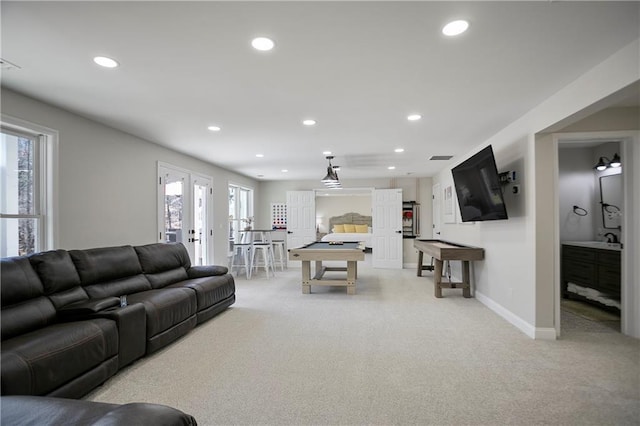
306, 276
466, 282
420, 257
437, 279
351, 276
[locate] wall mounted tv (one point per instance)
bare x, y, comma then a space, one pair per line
478, 188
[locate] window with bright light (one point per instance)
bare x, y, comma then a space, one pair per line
23, 218
240, 210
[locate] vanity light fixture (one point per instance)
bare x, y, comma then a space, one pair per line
604, 163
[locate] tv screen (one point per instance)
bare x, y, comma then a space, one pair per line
478, 188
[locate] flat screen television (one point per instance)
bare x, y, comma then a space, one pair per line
478, 188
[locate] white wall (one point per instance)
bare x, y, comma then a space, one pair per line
107, 191
516, 279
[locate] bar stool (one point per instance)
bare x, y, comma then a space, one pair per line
241, 256
264, 245
280, 259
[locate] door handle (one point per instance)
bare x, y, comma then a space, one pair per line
398, 232
289, 232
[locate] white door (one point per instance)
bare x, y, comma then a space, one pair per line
202, 229
437, 209
301, 218
185, 212
387, 228
173, 207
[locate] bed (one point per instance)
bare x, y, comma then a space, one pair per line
358, 221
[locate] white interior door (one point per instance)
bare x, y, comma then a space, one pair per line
437, 210
387, 228
301, 218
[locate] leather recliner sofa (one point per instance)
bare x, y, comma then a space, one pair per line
63, 329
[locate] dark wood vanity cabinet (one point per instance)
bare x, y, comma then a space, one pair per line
591, 267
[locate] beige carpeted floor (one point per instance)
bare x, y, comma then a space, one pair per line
390, 355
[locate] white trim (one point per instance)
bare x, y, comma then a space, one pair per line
513, 319
629, 300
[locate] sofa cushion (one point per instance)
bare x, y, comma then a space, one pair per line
19, 281
105, 264
119, 287
34, 410
42, 360
24, 306
56, 270
209, 290
165, 307
164, 264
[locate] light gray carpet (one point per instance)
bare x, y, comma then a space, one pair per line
390, 355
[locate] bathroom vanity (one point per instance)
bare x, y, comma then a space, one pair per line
592, 264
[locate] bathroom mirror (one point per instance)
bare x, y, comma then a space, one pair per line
611, 201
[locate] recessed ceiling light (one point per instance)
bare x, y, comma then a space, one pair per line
414, 117
262, 43
326, 152
103, 61
455, 28
399, 150
284, 170
259, 155
309, 122
391, 167
214, 128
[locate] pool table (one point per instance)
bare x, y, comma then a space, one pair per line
351, 252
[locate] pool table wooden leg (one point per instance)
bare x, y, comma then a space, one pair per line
306, 277
351, 276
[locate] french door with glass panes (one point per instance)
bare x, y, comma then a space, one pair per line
185, 211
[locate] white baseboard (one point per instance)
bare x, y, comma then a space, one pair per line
542, 333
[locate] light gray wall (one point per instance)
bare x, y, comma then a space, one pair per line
517, 277
327, 207
107, 191
576, 187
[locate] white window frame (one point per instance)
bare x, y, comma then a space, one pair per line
237, 222
47, 175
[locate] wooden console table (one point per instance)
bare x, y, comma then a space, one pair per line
444, 250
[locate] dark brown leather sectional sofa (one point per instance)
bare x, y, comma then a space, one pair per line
63, 329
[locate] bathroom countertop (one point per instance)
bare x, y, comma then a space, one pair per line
603, 245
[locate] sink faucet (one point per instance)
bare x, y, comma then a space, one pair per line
611, 238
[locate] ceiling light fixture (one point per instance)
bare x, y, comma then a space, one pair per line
391, 167
259, 155
603, 165
455, 28
331, 179
103, 61
399, 150
262, 43
326, 153
214, 128
284, 170
309, 122
414, 117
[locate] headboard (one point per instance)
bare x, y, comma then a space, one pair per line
353, 218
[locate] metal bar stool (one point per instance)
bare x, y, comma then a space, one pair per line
241, 256
261, 243
280, 259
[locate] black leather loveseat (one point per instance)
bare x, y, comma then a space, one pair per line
64, 331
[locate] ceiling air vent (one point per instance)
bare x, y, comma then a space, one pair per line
441, 157
6, 65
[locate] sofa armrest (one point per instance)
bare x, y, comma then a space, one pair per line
85, 308
206, 271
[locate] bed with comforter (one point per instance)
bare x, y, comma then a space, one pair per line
350, 227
